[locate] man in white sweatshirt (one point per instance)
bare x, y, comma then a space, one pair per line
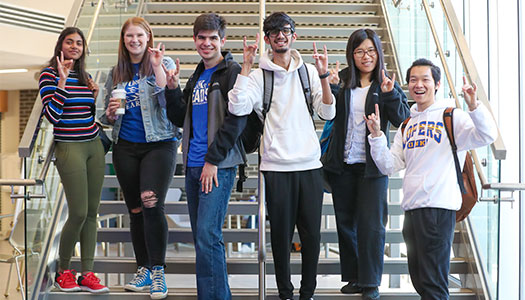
431, 194
290, 151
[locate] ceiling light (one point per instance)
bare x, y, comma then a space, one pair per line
5, 71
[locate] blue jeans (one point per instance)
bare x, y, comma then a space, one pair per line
207, 212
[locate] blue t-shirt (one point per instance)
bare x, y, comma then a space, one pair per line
199, 106
132, 128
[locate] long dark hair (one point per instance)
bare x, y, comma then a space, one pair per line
353, 78
123, 71
80, 64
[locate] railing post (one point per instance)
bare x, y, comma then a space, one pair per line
261, 257
261, 188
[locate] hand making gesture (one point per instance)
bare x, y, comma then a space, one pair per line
63, 66
248, 55
469, 93
172, 76
321, 60
388, 84
157, 54
373, 122
334, 74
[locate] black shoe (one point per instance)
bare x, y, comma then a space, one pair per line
351, 288
371, 293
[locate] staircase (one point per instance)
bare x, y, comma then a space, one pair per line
328, 23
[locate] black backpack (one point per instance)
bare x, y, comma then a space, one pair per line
251, 135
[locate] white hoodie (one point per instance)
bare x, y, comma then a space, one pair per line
289, 140
430, 177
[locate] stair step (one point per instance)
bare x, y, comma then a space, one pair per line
234, 208
110, 181
252, 294
228, 7
252, 18
243, 235
303, 33
245, 266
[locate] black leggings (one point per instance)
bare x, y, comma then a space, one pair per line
144, 172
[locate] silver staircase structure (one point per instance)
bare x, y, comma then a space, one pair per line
325, 22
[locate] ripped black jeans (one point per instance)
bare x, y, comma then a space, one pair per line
144, 172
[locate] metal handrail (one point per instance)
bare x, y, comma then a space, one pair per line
140, 8
397, 66
498, 148
448, 75
93, 21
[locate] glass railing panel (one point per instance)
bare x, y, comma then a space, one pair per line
40, 210
413, 36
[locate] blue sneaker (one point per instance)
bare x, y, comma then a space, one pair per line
141, 281
159, 289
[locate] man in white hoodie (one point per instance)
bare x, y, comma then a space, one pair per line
290, 151
431, 194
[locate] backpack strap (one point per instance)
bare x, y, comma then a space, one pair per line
449, 128
268, 91
305, 82
404, 125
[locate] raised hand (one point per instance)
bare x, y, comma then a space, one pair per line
334, 74
388, 84
469, 93
373, 123
64, 66
157, 54
321, 60
172, 76
249, 53
93, 87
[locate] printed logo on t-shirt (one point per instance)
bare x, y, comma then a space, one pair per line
132, 94
200, 92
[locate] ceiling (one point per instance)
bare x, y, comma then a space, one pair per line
28, 48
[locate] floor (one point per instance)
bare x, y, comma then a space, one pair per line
14, 294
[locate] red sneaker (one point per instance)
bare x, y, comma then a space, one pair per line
66, 281
91, 283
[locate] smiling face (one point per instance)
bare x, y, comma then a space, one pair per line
365, 58
136, 42
280, 40
209, 44
421, 86
73, 46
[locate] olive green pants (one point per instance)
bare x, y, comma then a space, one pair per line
81, 168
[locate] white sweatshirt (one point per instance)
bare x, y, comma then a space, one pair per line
424, 150
289, 140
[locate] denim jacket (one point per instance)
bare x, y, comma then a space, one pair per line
152, 105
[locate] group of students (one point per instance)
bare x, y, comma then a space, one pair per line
213, 111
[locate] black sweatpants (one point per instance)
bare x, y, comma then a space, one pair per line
295, 198
428, 234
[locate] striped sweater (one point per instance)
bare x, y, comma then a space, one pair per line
71, 110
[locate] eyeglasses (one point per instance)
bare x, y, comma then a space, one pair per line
287, 31
370, 51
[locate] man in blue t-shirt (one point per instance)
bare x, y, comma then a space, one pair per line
211, 149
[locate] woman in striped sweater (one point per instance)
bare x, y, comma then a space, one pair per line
68, 95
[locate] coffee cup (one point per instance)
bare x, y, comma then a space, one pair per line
120, 94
